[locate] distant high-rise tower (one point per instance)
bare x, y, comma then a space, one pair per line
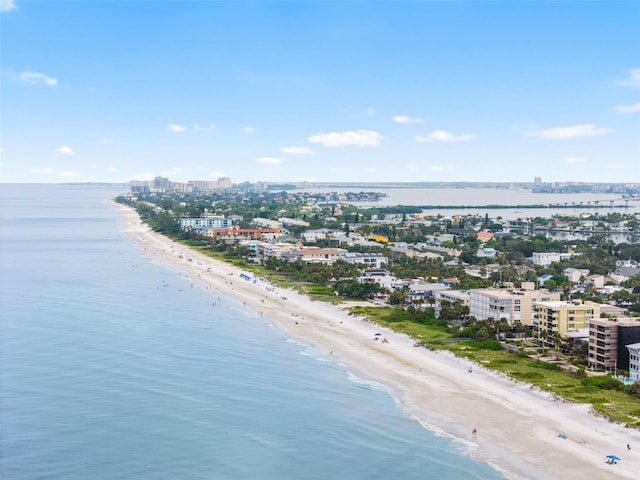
162, 184
224, 183
537, 180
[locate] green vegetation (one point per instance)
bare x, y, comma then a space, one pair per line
454, 330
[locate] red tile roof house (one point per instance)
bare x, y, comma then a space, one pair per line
484, 236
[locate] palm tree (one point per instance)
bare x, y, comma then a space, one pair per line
557, 343
542, 336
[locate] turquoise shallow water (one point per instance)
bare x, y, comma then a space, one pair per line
115, 368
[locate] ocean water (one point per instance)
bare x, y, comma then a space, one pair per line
113, 367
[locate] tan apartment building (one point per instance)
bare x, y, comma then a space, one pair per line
512, 304
562, 317
608, 338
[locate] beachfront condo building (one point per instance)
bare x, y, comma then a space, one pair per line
634, 361
450, 297
515, 305
207, 222
560, 317
608, 339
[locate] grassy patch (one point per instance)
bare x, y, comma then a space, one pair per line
614, 404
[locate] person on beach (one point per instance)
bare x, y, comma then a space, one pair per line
628, 447
474, 432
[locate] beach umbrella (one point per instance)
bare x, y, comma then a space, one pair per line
613, 457
378, 334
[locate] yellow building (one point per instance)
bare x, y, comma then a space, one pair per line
562, 317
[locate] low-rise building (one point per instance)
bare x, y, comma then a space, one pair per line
423, 291
450, 297
267, 234
576, 276
315, 255
381, 277
369, 260
486, 252
266, 223
544, 259
207, 222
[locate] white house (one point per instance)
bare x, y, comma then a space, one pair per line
545, 259
379, 276
486, 252
597, 281
420, 290
576, 276
370, 260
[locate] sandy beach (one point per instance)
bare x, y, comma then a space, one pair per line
517, 426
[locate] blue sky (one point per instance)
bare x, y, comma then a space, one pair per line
319, 91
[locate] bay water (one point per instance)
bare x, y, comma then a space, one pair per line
113, 367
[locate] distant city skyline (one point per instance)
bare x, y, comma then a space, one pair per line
110, 91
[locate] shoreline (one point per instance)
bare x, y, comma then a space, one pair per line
517, 424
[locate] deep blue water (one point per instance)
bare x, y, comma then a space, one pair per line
114, 368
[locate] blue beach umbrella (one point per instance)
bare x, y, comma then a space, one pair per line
613, 457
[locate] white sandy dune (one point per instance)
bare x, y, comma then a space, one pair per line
517, 425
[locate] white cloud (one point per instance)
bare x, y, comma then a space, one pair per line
628, 108
176, 128
7, 5
406, 119
248, 130
270, 160
216, 174
42, 171
65, 150
582, 130
296, 150
573, 160
439, 168
69, 174
205, 128
360, 138
112, 170
371, 111
633, 80
444, 136
36, 78
370, 170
